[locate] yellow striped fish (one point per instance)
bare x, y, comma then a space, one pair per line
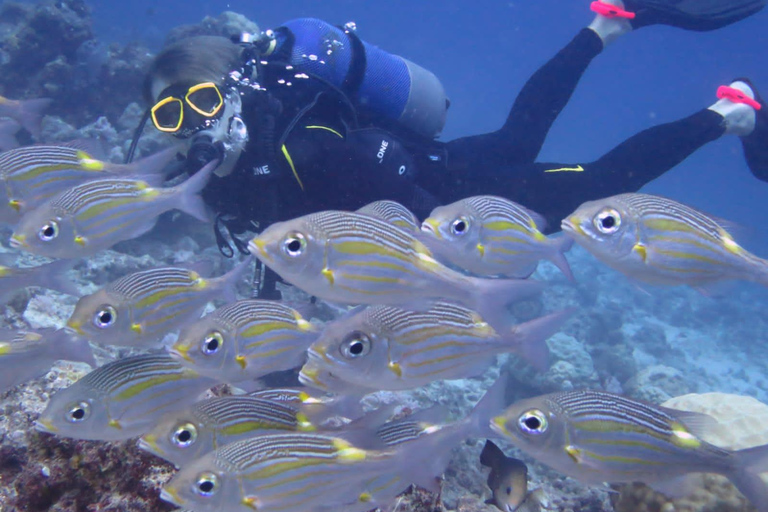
26, 355
245, 340
32, 175
97, 214
392, 212
296, 472
597, 437
140, 308
662, 242
183, 436
359, 259
51, 276
122, 399
383, 347
488, 235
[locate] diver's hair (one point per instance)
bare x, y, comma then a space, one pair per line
194, 59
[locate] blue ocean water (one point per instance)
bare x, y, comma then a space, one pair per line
484, 53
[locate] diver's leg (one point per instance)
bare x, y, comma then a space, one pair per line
556, 189
539, 103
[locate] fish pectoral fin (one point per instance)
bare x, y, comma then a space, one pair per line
574, 453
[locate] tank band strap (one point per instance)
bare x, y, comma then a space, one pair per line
357, 66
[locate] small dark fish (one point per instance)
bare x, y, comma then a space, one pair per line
508, 479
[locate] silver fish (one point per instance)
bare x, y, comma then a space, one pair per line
50, 275
382, 347
32, 175
662, 242
489, 235
98, 214
392, 212
508, 479
354, 258
300, 472
122, 399
596, 437
184, 436
140, 308
245, 340
28, 354
28, 113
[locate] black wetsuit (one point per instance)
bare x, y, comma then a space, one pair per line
321, 163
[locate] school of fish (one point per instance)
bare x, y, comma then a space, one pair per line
427, 301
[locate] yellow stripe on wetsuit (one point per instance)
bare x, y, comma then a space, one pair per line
288, 155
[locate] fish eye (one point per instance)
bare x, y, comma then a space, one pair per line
460, 226
49, 231
212, 343
294, 245
607, 221
509, 490
206, 485
78, 412
106, 317
533, 422
356, 344
184, 436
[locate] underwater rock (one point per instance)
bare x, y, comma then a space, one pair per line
571, 367
49, 50
657, 383
226, 24
742, 421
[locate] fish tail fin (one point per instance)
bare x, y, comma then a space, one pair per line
82, 351
8, 130
153, 164
190, 201
490, 297
230, 280
746, 475
72, 347
530, 338
487, 407
31, 114
561, 245
54, 277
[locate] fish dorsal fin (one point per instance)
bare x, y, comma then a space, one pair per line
491, 455
699, 424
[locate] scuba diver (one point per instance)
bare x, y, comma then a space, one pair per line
310, 117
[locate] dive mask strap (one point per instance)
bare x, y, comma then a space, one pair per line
137, 135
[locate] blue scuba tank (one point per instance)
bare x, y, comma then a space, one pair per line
377, 82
